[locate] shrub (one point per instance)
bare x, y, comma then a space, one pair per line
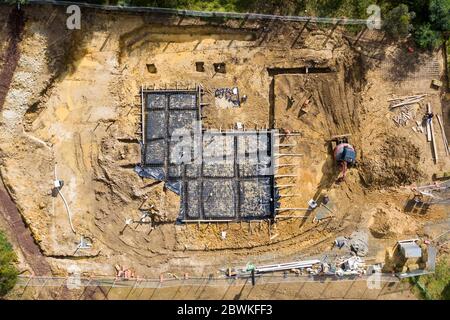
8, 271
397, 22
428, 38
440, 14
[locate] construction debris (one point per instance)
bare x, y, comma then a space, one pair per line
341, 266
350, 266
124, 273
357, 243
436, 83
85, 243
312, 204
406, 113
231, 95
437, 193
399, 102
277, 267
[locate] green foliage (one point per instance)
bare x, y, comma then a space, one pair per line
8, 271
397, 22
209, 5
437, 285
440, 14
398, 16
427, 38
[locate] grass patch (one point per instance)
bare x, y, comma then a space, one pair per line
435, 286
8, 270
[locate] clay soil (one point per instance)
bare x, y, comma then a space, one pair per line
70, 107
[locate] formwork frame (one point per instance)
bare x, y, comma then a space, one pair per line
237, 179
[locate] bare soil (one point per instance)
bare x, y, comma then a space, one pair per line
71, 107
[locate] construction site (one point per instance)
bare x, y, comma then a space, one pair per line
171, 146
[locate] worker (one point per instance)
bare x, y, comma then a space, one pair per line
429, 116
345, 156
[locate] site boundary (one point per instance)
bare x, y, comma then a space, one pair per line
205, 14
42, 281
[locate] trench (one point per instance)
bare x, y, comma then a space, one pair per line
294, 70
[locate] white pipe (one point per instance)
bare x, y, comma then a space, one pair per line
65, 204
68, 210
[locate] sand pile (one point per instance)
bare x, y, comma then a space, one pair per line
388, 223
396, 162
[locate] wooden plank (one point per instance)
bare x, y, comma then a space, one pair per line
444, 137
408, 97
406, 103
428, 124
433, 140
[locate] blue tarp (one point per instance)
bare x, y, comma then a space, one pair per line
157, 173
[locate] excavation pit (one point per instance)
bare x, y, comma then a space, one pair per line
219, 67
151, 68
200, 66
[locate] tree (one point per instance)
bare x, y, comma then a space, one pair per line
440, 14
8, 271
427, 38
397, 22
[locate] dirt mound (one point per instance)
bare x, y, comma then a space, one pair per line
394, 163
388, 223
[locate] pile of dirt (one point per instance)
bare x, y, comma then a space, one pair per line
389, 223
395, 162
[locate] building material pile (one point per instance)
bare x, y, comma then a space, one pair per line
124, 273
231, 95
437, 193
406, 113
350, 266
342, 266
404, 101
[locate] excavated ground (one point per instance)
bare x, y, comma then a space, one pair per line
70, 108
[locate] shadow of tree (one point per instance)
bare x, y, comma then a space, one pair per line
404, 64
